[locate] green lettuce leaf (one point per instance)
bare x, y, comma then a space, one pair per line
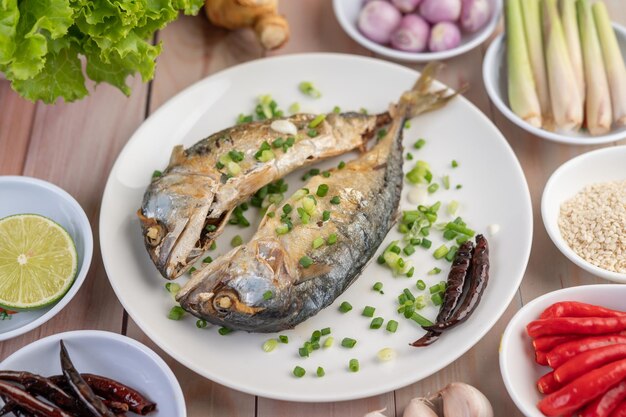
9, 16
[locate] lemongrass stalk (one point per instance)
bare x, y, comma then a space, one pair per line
598, 114
567, 106
531, 13
613, 62
572, 37
521, 84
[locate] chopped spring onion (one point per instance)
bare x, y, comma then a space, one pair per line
438, 288
282, 229
213, 246
453, 208
294, 108
308, 89
306, 262
421, 320
392, 326
426, 243
320, 372
332, 239
329, 342
242, 118
335, 200
410, 272
363, 110
348, 342
433, 187
201, 324
157, 174
299, 372
210, 228
381, 133
287, 208
353, 365
440, 252
312, 133
451, 253
236, 241
434, 271
378, 287
460, 229
322, 190
266, 156
303, 215
298, 195
409, 250
420, 174
459, 186
192, 269
446, 182
318, 242
270, 345
368, 311
407, 124
268, 295
326, 215
436, 299
317, 121
341, 165
420, 302
326, 174
409, 295
336, 109
419, 144
454, 163
386, 354
224, 331
303, 352
233, 168
376, 323
172, 287
176, 313
207, 260
325, 331
345, 307
283, 339
409, 156
236, 156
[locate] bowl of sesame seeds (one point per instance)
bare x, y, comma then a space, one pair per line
584, 211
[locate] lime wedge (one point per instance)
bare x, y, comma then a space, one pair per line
38, 262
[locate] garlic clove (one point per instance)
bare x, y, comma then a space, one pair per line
418, 407
284, 126
377, 413
463, 400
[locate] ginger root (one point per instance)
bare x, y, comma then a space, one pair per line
271, 29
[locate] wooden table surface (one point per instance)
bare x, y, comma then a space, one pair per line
75, 145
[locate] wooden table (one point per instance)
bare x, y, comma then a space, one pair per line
75, 145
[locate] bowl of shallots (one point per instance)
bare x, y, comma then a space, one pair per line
418, 30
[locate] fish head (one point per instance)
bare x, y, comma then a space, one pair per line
242, 288
173, 216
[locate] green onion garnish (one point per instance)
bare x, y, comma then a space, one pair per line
325, 331
268, 295
283, 339
348, 342
426, 243
345, 307
419, 144
409, 250
410, 272
341, 165
421, 285
172, 287
322, 190
376, 323
329, 341
287, 208
434, 271
381, 133
459, 186
407, 124
451, 253
236, 156
317, 121
433, 187
368, 311
353, 365
332, 239
307, 88
242, 118
409, 156
460, 229
363, 110
454, 163
282, 229
392, 326
306, 262
270, 345
421, 320
224, 331
395, 249
320, 372
441, 251
210, 228
303, 352
326, 215
312, 133
192, 269
294, 108
236, 241
337, 109
201, 324
436, 299
157, 174
299, 372
176, 313
319, 241
213, 246
446, 182
378, 286
409, 294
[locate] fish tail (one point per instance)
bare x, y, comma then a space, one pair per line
422, 98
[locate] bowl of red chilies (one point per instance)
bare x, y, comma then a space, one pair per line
87, 374
564, 354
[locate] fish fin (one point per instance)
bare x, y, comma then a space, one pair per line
178, 156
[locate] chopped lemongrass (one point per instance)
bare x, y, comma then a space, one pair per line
421, 320
172, 287
307, 88
176, 313
322, 190
348, 342
294, 108
419, 144
223, 331
335, 200
283, 339
440, 252
421, 285
332, 239
353, 365
201, 324
392, 326
270, 345
268, 295
378, 287
368, 311
386, 354
318, 242
320, 372
236, 241
376, 323
345, 307
317, 121
299, 372
306, 262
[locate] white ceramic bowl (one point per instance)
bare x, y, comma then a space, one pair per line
495, 79
347, 12
517, 364
30, 195
107, 354
601, 165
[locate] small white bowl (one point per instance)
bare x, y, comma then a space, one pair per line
602, 165
517, 360
30, 195
347, 13
495, 79
107, 354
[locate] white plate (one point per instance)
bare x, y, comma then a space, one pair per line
495, 79
107, 354
602, 165
347, 12
31, 195
494, 191
517, 358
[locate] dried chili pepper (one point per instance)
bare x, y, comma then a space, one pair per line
583, 390
116, 391
454, 291
80, 387
479, 278
577, 309
587, 361
603, 406
28, 403
562, 353
43, 387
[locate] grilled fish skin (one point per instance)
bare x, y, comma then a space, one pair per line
196, 190
276, 281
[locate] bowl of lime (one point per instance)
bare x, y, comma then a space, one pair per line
46, 245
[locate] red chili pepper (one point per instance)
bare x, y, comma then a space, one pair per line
547, 343
576, 309
576, 325
620, 411
562, 353
583, 390
547, 384
605, 404
2, 310
585, 362
541, 358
